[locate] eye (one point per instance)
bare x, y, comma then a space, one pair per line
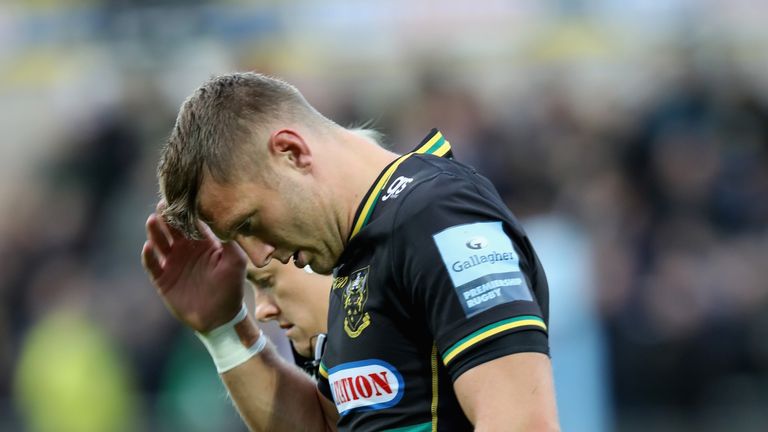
245, 227
248, 227
264, 282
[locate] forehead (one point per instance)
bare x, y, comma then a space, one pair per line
220, 204
284, 274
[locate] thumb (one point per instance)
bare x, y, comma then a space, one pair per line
206, 231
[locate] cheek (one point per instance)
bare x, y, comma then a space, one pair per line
300, 315
291, 308
303, 219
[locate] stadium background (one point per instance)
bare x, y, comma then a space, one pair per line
631, 137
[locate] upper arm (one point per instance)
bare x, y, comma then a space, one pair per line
329, 410
469, 269
510, 393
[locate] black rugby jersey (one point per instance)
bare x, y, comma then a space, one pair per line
437, 277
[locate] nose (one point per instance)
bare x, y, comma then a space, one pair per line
259, 252
266, 308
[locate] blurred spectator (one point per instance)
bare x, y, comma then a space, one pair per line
71, 378
578, 341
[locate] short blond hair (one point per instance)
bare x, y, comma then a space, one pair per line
216, 133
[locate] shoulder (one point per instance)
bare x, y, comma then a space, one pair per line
443, 191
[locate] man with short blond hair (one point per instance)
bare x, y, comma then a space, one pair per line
438, 308
297, 300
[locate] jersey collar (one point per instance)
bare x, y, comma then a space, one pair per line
434, 143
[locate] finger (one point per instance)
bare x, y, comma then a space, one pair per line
150, 262
232, 252
206, 231
158, 235
173, 233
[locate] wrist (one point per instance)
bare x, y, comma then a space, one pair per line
223, 316
234, 342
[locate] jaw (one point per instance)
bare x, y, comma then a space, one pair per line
333, 202
329, 244
303, 347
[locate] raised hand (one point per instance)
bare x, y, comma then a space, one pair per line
200, 281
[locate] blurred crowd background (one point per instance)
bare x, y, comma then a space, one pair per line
630, 137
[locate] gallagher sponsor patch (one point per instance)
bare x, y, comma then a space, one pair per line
483, 265
365, 385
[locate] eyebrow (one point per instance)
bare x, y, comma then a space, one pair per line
257, 279
257, 274
236, 223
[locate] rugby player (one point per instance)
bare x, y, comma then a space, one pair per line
438, 308
297, 299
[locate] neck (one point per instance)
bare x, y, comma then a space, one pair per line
360, 162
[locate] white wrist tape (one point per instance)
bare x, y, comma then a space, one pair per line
225, 347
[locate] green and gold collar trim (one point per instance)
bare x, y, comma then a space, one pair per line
435, 144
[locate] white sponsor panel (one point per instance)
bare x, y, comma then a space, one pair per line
365, 385
483, 265
475, 250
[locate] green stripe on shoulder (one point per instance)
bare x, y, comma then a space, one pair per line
436, 145
490, 330
423, 427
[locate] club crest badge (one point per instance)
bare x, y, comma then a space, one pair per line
354, 296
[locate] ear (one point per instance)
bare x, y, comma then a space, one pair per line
290, 144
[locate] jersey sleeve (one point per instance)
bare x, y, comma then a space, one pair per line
322, 383
469, 271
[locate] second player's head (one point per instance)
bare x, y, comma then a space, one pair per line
295, 299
